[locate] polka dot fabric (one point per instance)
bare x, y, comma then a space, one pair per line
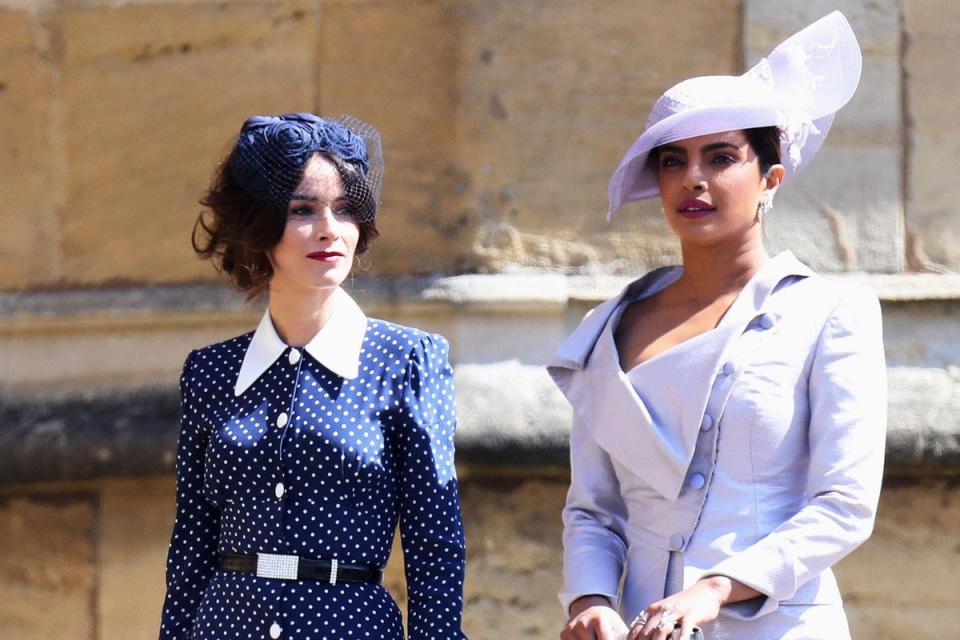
309, 463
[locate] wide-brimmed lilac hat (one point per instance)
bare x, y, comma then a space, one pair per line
798, 88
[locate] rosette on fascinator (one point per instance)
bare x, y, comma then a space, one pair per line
271, 152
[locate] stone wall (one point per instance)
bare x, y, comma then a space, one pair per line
89, 561
502, 121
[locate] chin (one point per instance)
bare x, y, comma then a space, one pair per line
330, 280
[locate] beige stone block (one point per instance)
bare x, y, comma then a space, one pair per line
48, 566
395, 64
152, 96
768, 22
136, 519
873, 115
552, 95
29, 155
843, 212
904, 582
503, 121
124, 356
931, 75
513, 557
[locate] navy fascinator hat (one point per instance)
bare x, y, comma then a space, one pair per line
272, 151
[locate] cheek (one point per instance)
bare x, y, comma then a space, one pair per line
351, 235
295, 235
745, 180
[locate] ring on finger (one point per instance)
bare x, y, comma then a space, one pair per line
639, 621
666, 620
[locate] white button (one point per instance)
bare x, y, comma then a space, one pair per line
697, 481
274, 631
707, 423
279, 490
729, 368
294, 356
282, 420
676, 542
766, 321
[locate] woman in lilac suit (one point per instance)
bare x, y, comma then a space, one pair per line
728, 440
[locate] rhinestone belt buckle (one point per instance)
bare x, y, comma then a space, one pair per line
277, 566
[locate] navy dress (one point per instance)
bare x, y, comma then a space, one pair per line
289, 456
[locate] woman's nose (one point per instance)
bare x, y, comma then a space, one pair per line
326, 225
693, 179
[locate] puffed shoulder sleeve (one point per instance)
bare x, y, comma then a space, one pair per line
431, 527
847, 394
192, 555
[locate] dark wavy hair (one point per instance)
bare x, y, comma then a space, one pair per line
238, 230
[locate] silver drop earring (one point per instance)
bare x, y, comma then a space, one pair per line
766, 204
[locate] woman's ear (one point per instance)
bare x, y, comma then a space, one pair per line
773, 178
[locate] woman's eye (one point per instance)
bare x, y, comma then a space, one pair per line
343, 210
723, 159
670, 162
301, 211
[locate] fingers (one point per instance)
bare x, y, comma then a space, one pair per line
656, 623
596, 623
686, 630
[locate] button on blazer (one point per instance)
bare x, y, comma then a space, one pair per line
753, 451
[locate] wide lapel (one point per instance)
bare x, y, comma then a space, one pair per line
574, 352
586, 368
587, 371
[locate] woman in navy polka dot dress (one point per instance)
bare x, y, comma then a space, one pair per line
304, 443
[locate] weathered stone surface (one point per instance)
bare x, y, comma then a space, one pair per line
912, 563
88, 437
845, 211
922, 335
30, 156
553, 93
152, 95
503, 125
930, 74
405, 85
136, 518
924, 420
513, 572
48, 565
513, 557
509, 415
842, 213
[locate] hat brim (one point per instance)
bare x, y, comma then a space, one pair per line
828, 47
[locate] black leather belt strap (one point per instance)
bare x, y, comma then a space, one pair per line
307, 569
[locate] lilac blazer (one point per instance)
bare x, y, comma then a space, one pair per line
753, 451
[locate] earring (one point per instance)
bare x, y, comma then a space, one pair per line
766, 204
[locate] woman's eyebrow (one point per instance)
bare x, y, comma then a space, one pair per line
713, 146
672, 148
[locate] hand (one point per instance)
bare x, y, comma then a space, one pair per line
691, 608
592, 618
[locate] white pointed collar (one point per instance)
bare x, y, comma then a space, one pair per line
336, 346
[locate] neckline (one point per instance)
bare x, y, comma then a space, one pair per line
670, 351
672, 277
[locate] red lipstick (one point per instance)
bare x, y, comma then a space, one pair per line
325, 256
694, 208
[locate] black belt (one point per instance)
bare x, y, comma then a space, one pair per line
287, 567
